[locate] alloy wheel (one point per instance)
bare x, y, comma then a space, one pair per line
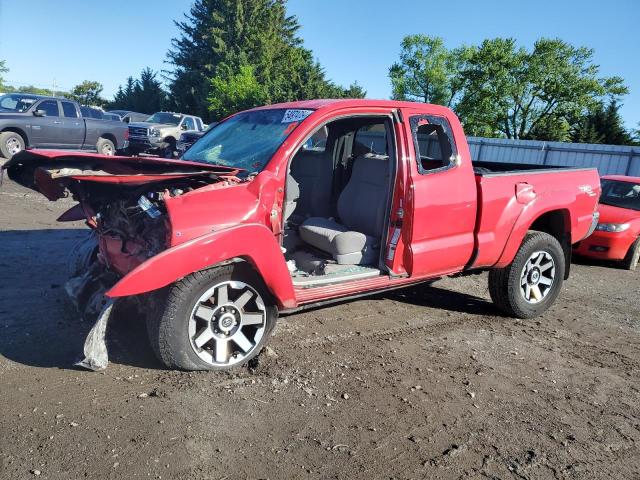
227, 323
537, 277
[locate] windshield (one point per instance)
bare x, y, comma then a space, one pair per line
247, 140
621, 194
166, 118
16, 102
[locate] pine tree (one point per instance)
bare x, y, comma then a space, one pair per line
144, 95
603, 124
249, 42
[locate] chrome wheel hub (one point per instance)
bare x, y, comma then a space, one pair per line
537, 277
13, 146
227, 323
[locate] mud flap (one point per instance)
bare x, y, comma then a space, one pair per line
95, 345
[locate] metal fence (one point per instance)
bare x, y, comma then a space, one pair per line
608, 159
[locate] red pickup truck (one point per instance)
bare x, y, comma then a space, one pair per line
292, 205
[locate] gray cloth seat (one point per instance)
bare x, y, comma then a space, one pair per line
309, 185
361, 207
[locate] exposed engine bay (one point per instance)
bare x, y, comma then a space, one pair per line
122, 201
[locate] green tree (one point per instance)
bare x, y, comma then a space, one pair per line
123, 99
222, 38
231, 92
427, 71
501, 90
354, 90
603, 124
148, 94
88, 93
144, 95
517, 92
3, 70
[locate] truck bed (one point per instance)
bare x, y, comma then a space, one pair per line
485, 168
510, 193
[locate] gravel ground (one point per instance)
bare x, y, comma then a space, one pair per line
429, 382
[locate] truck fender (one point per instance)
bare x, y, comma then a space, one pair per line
253, 243
532, 212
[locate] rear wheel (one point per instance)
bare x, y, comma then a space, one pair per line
10, 144
531, 283
632, 258
214, 319
105, 147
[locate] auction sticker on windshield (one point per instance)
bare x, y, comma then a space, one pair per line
295, 115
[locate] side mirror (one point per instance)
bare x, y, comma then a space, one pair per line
39, 113
183, 127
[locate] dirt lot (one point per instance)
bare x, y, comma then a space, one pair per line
422, 383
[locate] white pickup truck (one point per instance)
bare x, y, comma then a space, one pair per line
160, 133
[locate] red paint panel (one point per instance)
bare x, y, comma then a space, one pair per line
253, 242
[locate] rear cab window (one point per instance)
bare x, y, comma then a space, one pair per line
69, 110
433, 143
371, 139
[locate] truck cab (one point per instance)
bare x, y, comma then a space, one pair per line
289, 206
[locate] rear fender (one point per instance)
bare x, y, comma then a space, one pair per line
532, 212
253, 243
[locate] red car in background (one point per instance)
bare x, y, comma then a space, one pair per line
617, 236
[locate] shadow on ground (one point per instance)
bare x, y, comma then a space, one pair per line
38, 325
435, 297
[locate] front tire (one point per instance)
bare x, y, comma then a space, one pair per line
11, 143
632, 258
214, 319
169, 150
531, 283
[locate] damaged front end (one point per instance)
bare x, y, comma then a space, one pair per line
122, 201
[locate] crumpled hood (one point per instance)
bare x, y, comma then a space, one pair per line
50, 172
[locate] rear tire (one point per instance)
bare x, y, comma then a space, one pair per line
531, 283
11, 143
105, 147
214, 319
630, 261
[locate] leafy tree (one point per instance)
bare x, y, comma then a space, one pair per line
221, 38
603, 125
3, 69
88, 93
32, 89
231, 92
517, 92
427, 71
499, 89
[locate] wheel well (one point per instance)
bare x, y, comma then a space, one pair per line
247, 265
170, 140
109, 136
19, 132
557, 224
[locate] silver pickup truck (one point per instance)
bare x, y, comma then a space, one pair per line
160, 133
28, 120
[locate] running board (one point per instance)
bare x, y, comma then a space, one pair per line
317, 280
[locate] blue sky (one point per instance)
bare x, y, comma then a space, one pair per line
68, 41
